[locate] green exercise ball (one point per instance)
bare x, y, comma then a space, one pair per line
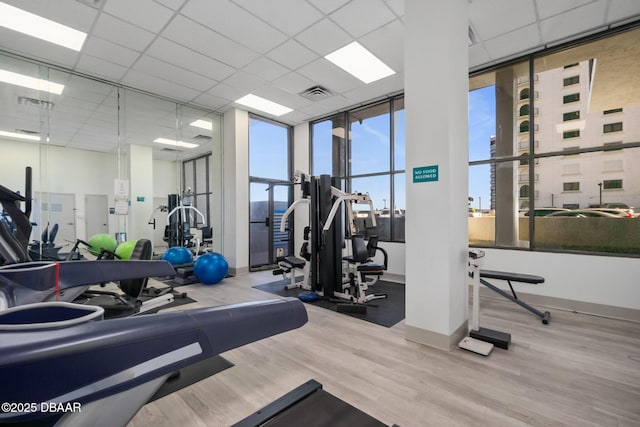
125, 249
102, 241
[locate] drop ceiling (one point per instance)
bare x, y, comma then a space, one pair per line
208, 53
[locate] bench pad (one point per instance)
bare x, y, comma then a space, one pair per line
515, 277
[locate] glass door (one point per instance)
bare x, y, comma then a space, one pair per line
268, 201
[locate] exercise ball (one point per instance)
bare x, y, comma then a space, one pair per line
177, 255
102, 241
210, 268
124, 249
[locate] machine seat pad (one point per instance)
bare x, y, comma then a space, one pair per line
294, 262
371, 268
514, 277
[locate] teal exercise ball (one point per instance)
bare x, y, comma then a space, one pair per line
101, 241
125, 249
178, 255
210, 268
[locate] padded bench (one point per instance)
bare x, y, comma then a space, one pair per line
514, 277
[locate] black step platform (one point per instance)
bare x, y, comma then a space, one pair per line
310, 406
497, 338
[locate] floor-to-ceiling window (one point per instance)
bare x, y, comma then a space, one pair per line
366, 147
269, 190
554, 140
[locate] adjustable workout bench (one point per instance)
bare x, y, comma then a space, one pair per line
515, 277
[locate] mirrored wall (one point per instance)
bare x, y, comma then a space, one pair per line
104, 159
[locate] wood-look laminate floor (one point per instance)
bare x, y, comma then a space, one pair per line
578, 370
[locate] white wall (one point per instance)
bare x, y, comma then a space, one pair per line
593, 279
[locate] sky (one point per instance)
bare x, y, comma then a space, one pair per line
370, 144
482, 126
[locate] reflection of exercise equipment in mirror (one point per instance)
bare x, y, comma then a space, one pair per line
187, 236
321, 261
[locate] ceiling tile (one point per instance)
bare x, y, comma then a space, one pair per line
330, 76
172, 4
387, 43
380, 88
38, 49
202, 39
327, 106
226, 91
122, 33
294, 83
484, 14
324, 37
74, 14
478, 55
623, 9
351, 17
169, 72
109, 52
235, 23
173, 53
502, 46
280, 96
159, 86
297, 117
292, 54
573, 22
289, 16
209, 101
328, 6
548, 8
266, 69
247, 82
98, 67
397, 6
146, 13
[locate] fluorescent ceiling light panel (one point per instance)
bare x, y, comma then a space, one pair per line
20, 136
360, 63
202, 124
175, 143
41, 28
30, 82
264, 105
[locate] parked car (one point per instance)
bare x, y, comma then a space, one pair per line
545, 211
474, 213
623, 213
583, 213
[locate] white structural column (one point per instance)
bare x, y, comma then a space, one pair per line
301, 163
141, 192
436, 98
236, 190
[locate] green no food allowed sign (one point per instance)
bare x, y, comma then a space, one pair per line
425, 173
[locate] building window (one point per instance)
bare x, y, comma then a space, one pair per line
571, 186
524, 93
572, 115
574, 97
372, 159
612, 184
524, 191
524, 110
524, 126
612, 127
612, 111
573, 80
570, 134
575, 64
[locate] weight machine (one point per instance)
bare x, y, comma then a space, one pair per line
322, 260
